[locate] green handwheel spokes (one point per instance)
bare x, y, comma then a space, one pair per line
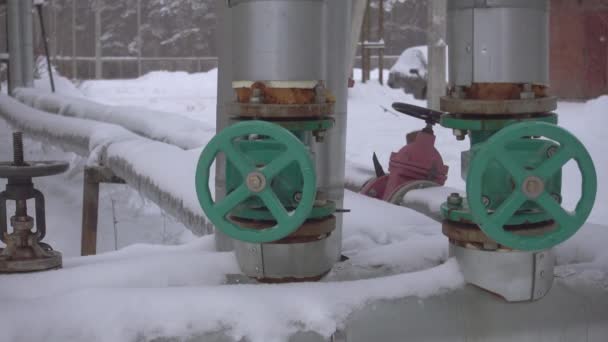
257, 182
529, 185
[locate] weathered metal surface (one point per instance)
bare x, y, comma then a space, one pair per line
278, 111
310, 229
467, 233
498, 107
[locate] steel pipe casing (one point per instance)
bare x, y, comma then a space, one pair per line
27, 43
498, 41
278, 40
14, 44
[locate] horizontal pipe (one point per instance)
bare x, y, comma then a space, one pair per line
170, 128
117, 148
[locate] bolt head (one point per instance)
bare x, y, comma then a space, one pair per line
486, 201
455, 200
459, 134
319, 136
256, 182
533, 187
551, 151
557, 198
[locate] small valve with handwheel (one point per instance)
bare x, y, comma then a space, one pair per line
417, 165
25, 251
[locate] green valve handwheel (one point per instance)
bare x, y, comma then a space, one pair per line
529, 185
257, 181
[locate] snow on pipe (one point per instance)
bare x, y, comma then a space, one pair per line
160, 126
428, 201
141, 162
425, 201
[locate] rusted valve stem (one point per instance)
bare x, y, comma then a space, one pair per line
18, 158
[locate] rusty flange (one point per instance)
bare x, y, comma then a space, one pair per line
278, 111
311, 230
498, 107
468, 233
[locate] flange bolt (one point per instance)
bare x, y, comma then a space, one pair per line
486, 201
551, 151
454, 201
460, 134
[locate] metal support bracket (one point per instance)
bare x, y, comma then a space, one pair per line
516, 276
93, 176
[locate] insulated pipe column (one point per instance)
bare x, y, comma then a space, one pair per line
224, 95
279, 55
27, 43
330, 155
14, 40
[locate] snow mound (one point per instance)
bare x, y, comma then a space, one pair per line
413, 58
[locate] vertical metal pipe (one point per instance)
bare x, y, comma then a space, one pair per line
330, 155
437, 16
139, 40
358, 13
74, 69
366, 54
27, 43
98, 62
381, 38
224, 94
14, 40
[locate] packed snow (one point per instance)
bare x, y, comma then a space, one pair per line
413, 58
174, 284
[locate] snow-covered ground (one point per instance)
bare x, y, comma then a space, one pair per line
149, 289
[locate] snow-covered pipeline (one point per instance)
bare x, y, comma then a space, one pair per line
182, 132
141, 162
170, 128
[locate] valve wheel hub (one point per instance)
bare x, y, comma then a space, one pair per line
533, 187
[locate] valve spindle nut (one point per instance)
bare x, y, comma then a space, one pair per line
256, 182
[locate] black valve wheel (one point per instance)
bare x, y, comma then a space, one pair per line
431, 117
